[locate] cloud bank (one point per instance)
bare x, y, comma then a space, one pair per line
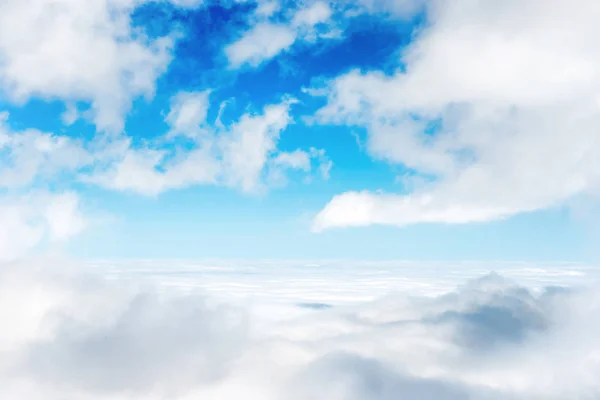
78, 335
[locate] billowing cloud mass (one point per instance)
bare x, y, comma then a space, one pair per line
494, 109
78, 335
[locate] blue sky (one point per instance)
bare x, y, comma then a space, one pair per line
371, 130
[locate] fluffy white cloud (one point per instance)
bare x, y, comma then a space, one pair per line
106, 341
235, 157
150, 172
249, 144
79, 50
81, 336
239, 155
30, 160
496, 102
30, 155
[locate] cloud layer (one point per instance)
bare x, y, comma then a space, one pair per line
82, 336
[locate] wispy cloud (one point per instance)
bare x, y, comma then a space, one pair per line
31, 219
267, 39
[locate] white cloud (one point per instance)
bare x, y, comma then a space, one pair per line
316, 13
325, 164
17, 234
267, 8
83, 336
249, 144
70, 115
301, 160
297, 159
188, 113
511, 92
238, 155
63, 216
235, 157
265, 39
31, 155
103, 340
79, 50
30, 162
149, 172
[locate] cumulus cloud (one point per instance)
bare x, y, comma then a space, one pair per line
495, 104
145, 171
247, 146
234, 157
240, 155
30, 155
79, 50
79, 335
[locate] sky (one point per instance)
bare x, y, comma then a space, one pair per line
365, 129
303, 200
